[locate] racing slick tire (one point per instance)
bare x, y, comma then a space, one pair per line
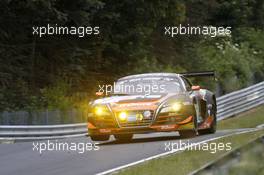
123, 137
100, 137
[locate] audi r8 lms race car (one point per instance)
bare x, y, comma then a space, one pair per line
153, 102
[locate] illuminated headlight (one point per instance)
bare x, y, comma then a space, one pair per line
122, 116
98, 111
101, 111
174, 107
147, 114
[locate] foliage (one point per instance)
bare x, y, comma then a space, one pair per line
233, 63
64, 71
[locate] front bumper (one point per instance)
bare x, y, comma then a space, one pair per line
162, 122
187, 124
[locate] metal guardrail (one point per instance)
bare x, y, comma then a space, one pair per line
228, 105
240, 101
42, 130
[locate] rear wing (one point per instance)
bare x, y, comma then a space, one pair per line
199, 74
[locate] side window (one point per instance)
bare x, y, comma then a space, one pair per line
188, 85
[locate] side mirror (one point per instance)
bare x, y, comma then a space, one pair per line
196, 88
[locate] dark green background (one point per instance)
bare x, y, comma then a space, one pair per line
61, 72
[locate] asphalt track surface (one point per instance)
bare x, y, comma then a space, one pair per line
20, 159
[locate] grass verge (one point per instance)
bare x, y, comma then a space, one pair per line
189, 161
249, 119
248, 161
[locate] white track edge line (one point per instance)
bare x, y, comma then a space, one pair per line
171, 152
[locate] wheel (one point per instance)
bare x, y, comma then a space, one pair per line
212, 128
100, 137
123, 137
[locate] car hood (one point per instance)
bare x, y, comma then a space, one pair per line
133, 102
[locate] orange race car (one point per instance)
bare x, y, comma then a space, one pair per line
153, 102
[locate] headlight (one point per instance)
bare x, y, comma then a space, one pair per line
98, 110
101, 111
147, 114
176, 106
173, 107
122, 116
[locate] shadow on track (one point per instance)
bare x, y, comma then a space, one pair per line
141, 140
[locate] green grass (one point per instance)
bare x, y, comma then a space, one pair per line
246, 120
188, 161
249, 160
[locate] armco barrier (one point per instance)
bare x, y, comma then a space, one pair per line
42, 130
240, 101
228, 105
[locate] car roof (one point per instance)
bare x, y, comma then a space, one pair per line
150, 75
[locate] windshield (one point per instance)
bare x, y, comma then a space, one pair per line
147, 86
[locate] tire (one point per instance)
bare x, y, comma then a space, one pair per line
123, 137
100, 137
212, 128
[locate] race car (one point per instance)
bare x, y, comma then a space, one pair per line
153, 102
